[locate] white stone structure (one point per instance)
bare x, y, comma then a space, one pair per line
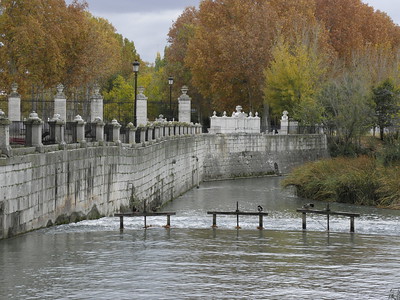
284, 123
5, 147
60, 103
96, 104
141, 109
14, 104
240, 122
184, 106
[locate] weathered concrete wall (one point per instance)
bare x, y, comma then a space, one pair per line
240, 155
39, 189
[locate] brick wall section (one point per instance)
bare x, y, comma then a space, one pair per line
36, 188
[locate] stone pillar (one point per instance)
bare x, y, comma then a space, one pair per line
150, 132
96, 104
141, 109
14, 104
60, 103
33, 135
143, 131
57, 129
157, 133
198, 128
5, 147
184, 106
115, 134
284, 123
130, 133
79, 132
162, 131
99, 125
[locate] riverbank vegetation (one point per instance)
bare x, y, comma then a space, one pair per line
371, 178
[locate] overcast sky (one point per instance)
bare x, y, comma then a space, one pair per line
147, 22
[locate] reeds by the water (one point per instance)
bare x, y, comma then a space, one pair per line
362, 180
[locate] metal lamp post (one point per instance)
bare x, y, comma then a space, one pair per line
136, 65
170, 82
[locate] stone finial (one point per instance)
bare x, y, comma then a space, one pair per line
78, 119
60, 91
250, 114
33, 116
97, 120
14, 88
256, 114
214, 113
130, 125
285, 115
184, 89
224, 114
56, 117
141, 95
115, 123
2, 114
96, 90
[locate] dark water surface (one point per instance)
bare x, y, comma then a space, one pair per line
93, 260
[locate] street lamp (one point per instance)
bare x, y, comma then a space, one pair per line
136, 65
170, 82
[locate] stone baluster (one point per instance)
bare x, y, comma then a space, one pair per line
99, 127
143, 131
150, 133
115, 131
157, 132
14, 104
57, 126
162, 130
130, 133
60, 103
79, 132
33, 135
5, 147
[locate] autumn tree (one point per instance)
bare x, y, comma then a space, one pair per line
352, 25
179, 37
47, 42
229, 52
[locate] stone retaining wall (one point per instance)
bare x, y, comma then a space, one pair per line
40, 189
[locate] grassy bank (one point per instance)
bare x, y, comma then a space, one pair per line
363, 180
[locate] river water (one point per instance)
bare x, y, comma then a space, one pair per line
94, 260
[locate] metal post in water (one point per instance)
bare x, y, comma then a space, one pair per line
304, 221
214, 225
351, 223
121, 222
168, 221
144, 211
237, 215
260, 222
327, 217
